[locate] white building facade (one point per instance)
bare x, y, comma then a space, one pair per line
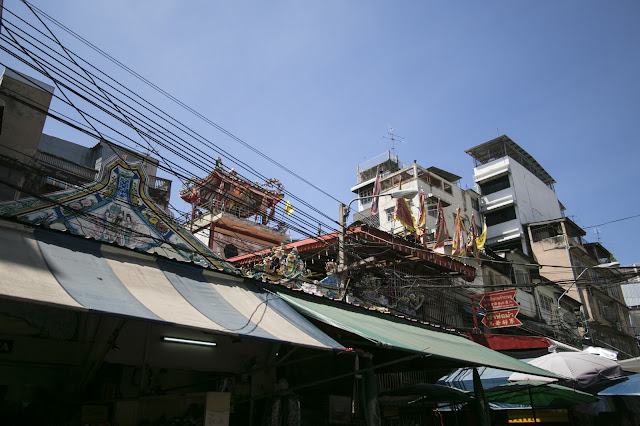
437, 184
514, 189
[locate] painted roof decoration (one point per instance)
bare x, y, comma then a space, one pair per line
116, 209
278, 266
227, 191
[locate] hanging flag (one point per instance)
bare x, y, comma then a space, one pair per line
402, 214
472, 245
482, 238
376, 193
441, 228
421, 230
288, 208
459, 246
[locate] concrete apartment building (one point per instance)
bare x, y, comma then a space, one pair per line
515, 189
38, 163
522, 212
631, 293
436, 183
586, 273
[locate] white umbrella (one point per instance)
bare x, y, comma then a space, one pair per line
585, 368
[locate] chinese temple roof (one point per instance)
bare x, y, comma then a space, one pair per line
116, 209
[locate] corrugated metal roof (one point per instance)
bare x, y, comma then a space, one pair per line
631, 292
503, 146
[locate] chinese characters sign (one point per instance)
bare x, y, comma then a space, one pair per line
498, 300
502, 319
501, 309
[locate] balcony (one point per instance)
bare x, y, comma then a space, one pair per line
503, 231
497, 200
491, 170
70, 169
159, 184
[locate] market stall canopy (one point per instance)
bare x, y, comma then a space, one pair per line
584, 368
432, 393
462, 378
107, 247
538, 394
55, 268
629, 386
393, 332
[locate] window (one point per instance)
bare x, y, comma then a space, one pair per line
366, 192
475, 204
608, 312
521, 277
434, 182
447, 189
389, 213
547, 231
230, 251
500, 216
613, 291
595, 277
546, 302
495, 185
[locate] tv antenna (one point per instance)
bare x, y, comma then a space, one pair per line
393, 138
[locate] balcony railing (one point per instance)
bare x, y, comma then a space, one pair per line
88, 174
159, 183
65, 165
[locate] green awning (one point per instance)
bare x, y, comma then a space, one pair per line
401, 334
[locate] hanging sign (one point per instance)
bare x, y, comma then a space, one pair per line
500, 319
499, 300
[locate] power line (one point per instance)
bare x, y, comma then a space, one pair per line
141, 121
612, 221
187, 159
204, 155
216, 126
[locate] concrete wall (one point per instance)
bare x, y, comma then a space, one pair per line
535, 200
553, 251
22, 124
21, 128
68, 150
459, 197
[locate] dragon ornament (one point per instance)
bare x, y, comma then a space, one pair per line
278, 266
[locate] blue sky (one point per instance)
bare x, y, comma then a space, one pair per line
314, 85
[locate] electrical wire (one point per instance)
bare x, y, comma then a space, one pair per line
203, 140
127, 121
218, 127
205, 157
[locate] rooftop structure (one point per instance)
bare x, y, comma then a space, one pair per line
33, 163
515, 189
503, 146
438, 185
222, 205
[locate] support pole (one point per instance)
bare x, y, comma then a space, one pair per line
341, 237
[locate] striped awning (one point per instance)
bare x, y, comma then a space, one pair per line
52, 267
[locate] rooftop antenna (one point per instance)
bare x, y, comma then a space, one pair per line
393, 138
597, 231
